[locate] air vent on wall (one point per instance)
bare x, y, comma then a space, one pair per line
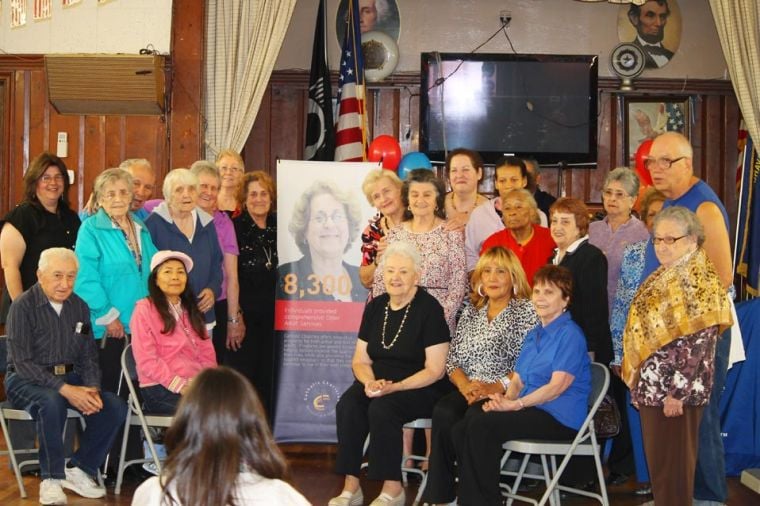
106, 83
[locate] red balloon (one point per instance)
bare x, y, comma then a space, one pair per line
387, 149
641, 169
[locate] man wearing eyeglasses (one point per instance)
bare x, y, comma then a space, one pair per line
670, 163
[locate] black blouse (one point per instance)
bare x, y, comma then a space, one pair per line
257, 262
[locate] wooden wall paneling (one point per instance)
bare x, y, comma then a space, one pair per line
94, 152
146, 138
38, 113
19, 135
5, 109
731, 158
257, 150
288, 117
113, 141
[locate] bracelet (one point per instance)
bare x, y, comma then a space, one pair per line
522, 406
505, 382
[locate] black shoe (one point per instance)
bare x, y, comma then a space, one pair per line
643, 490
586, 487
614, 479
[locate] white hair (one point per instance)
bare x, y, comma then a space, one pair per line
51, 254
178, 177
383, 10
404, 249
129, 163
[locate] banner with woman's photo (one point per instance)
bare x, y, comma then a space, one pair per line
321, 213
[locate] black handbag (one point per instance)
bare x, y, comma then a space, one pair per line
607, 418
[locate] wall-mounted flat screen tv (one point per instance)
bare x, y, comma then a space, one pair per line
543, 106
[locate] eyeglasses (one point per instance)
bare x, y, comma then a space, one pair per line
224, 168
617, 194
662, 162
667, 240
122, 194
336, 217
47, 178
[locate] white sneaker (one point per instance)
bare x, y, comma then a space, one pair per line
150, 467
386, 500
347, 498
81, 483
51, 492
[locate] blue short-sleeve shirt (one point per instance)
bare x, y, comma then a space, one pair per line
560, 346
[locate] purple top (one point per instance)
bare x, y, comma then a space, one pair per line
225, 232
612, 245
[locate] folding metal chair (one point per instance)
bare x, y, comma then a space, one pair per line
584, 444
136, 416
8, 412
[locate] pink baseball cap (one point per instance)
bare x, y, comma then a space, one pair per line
163, 256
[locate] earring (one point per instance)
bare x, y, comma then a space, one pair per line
480, 291
514, 290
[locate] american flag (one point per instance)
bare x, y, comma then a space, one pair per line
675, 116
351, 130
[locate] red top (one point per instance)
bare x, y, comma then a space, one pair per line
534, 255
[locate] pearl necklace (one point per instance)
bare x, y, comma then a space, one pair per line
398, 332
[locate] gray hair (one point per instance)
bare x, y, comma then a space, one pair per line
404, 249
683, 217
201, 167
51, 254
626, 177
111, 176
178, 177
383, 10
129, 163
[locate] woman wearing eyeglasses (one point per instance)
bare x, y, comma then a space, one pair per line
669, 351
324, 224
43, 220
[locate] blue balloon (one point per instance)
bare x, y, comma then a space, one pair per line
411, 161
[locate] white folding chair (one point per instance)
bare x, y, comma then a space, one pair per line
584, 444
136, 416
8, 412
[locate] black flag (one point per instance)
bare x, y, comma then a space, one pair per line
320, 131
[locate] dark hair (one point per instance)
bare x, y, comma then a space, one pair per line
556, 275
424, 176
575, 207
219, 430
187, 299
37, 169
265, 180
511, 161
634, 11
475, 159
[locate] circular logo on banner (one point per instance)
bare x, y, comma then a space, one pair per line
320, 398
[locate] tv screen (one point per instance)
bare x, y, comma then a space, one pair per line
542, 106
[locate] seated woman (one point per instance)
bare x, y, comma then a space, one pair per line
547, 397
399, 363
220, 450
669, 343
489, 337
169, 338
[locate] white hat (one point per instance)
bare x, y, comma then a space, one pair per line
163, 256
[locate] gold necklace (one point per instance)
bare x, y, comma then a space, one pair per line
398, 332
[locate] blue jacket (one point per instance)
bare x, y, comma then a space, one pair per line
108, 278
204, 250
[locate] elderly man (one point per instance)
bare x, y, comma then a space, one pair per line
510, 174
143, 181
53, 366
670, 163
650, 20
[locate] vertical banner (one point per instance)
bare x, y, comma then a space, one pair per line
321, 212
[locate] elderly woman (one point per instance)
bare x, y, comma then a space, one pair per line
231, 169
489, 337
669, 350
114, 249
569, 228
464, 169
225, 336
43, 220
532, 243
220, 415
399, 363
619, 228
170, 341
547, 397
324, 224
443, 262
383, 191
256, 230
178, 224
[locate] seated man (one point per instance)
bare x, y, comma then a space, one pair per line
53, 366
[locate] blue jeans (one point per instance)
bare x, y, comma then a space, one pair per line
159, 400
710, 474
49, 409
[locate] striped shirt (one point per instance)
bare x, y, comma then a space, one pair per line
39, 338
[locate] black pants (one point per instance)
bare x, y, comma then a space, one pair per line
219, 334
621, 456
478, 439
383, 418
450, 409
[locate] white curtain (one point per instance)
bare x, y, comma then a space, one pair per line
243, 40
739, 33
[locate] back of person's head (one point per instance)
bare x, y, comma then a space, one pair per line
219, 430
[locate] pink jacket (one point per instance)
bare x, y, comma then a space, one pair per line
170, 360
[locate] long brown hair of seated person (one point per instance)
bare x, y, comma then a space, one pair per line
188, 300
219, 430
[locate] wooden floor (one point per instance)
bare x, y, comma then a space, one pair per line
312, 474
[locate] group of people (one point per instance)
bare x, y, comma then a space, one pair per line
481, 314
514, 312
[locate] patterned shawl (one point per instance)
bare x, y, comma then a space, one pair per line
673, 302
